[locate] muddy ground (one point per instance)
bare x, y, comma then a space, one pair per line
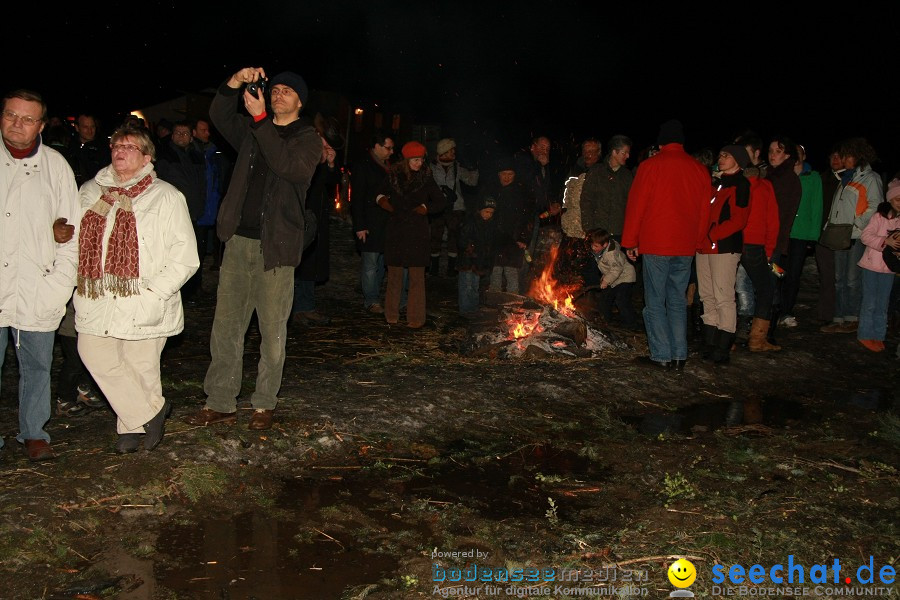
393, 449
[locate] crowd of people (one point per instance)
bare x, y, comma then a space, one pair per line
104, 242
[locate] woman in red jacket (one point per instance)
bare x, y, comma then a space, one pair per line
720, 251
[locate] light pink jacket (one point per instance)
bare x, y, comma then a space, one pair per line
873, 237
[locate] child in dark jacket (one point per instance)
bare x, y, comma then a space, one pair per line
477, 248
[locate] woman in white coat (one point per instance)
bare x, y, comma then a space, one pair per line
136, 248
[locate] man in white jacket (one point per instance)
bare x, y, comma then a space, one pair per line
37, 275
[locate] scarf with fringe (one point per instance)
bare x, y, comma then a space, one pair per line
121, 273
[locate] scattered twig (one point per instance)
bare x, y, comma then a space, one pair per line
396, 459
329, 537
574, 491
318, 468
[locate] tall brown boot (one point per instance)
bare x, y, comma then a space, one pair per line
759, 330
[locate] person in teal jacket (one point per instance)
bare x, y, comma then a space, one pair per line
804, 234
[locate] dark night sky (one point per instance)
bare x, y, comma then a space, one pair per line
501, 70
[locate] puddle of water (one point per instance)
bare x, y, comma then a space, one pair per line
772, 412
875, 400
256, 555
505, 485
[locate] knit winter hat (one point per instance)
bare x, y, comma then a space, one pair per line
506, 164
893, 189
489, 202
445, 145
413, 150
739, 153
293, 81
671, 132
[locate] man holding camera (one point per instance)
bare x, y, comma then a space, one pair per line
262, 222
449, 174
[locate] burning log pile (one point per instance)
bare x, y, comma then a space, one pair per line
544, 323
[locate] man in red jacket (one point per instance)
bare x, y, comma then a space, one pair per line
665, 222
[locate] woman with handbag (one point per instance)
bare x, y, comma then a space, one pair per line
877, 277
855, 201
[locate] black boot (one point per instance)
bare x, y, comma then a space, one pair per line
773, 325
435, 268
709, 341
696, 320
721, 353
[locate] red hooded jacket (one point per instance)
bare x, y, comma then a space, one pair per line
668, 205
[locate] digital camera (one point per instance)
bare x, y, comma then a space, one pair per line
257, 86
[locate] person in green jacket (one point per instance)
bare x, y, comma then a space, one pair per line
804, 234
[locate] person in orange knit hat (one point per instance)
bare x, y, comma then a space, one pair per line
409, 194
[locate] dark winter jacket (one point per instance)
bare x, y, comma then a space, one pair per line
218, 169
366, 178
185, 168
514, 222
292, 153
728, 214
477, 244
407, 234
545, 184
316, 264
788, 192
604, 196
86, 159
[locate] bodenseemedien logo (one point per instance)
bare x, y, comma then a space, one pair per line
682, 574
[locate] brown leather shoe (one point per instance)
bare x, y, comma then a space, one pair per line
205, 416
37, 450
261, 419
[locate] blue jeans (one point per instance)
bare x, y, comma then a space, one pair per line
371, 277
35, 353
762, 281
743, 289
665, 307
468, 283
873, 310
847, 288
304, 296
512, 279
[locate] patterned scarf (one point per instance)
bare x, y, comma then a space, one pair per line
121, 273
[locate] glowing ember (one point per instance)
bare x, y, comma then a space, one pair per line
523, 325
549, 291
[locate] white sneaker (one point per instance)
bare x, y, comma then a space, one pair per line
788, 321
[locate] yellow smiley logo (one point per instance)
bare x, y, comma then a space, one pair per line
682, 573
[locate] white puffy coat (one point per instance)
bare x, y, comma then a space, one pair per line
168, 257
37, 275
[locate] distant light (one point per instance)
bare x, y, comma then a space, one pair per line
358, 111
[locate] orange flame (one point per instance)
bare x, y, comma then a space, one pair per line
547, 290
523, 325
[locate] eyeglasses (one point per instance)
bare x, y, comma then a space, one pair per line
126, 148
181, 133
12, 117
285, 91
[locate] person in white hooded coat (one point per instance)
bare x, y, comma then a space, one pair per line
136, 250
37, 274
